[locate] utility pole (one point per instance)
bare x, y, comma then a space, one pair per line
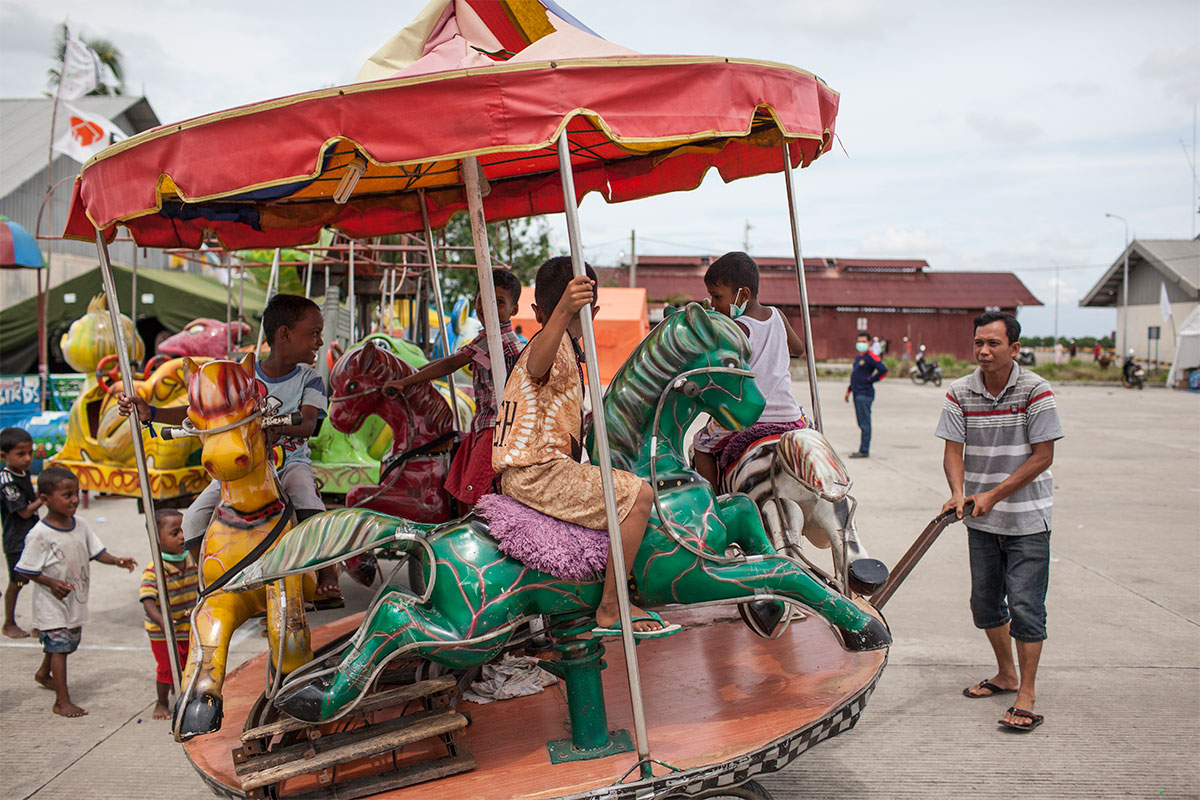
632, 259
1057, 349
1124, 290
746, 237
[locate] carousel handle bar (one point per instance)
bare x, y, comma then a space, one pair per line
271, 421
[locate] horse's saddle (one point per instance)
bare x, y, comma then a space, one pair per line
562, 549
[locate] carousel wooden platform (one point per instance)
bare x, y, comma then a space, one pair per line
722, 706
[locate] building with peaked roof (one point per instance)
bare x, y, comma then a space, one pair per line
890, 298
1154, 264
24, 151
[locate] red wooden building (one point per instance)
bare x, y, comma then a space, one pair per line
889, 298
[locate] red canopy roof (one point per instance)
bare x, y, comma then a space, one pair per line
265, 174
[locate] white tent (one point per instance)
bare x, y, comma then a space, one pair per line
1187, 348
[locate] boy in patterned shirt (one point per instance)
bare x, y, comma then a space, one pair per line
471, 475
19, 505
182, 590
539, 438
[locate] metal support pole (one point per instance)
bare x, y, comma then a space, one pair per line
483, 266
308, 276
133, 299
437, 299
228, 264
139, 452
604, 456
43, 375
353, 337
809, 357
1124, 290
272, 283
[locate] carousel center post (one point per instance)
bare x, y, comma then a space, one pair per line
472, 174
139, 452
604, 456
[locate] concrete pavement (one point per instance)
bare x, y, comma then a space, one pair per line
1120, 677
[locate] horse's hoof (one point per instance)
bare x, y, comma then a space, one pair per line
196, 716
867, 576
306, 701
766, 615
872, 636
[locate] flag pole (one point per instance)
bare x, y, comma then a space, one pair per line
43, 305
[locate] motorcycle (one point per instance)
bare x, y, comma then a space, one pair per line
1026, 357
1132, 376
925, 371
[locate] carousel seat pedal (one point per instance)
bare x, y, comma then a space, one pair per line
398, 779
372, 702
332, 750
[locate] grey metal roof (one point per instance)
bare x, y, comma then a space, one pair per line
1177, 259
25, 130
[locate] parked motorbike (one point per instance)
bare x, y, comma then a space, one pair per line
925, 371
1026, 357
1132, 376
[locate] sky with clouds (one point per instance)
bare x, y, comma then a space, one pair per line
976, 136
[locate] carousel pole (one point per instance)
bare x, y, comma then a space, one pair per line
619, 568
353, 301
228, 303
809, 358
271, 284
483, 266
133, 299
437, 299
139, 452
308, 276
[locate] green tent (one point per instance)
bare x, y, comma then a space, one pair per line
179, 298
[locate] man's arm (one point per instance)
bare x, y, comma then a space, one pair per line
431, 371
881, 369
1037, 463
544, 347
952, 465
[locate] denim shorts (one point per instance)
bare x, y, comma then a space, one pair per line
60, 640
1009, 576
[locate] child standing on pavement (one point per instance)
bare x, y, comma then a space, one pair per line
182, 590
471, 475
57, 557
539, 437
732, 283
19, 506
292, 328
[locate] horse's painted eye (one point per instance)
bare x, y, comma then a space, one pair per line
730, 362
351, 387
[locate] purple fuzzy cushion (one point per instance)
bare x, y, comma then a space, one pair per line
562, 549
736, 444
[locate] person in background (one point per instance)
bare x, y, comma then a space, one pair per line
19, 505
867, 370
182, 589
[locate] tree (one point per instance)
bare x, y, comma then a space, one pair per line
110, 56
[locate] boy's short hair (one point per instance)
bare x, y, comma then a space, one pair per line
161, 514
1011, 326
11, 437
552, 279
285, 310
53, 477
735, 270
506, 280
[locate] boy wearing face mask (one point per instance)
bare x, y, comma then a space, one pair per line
732, 283
868, 369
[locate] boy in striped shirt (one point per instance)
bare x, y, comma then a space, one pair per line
1000, 424
182, 588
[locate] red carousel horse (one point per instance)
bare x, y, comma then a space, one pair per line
411, 477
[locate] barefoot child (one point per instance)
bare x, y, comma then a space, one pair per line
19, 505
471, 475
57, 557
182, 589
539, 438
292, 327
732, 283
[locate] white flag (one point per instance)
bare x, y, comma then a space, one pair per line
1164, 302
80, 70
87, 134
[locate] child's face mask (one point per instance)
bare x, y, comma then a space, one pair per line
861, 347
736, 309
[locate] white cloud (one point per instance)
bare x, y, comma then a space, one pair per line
999, 130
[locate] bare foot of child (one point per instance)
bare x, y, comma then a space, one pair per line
69, 709
14, 631
160, 712
327, 583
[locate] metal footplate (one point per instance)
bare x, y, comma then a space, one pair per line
368, 746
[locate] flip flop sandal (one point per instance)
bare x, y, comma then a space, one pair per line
649, 616
1034, 719
992, 689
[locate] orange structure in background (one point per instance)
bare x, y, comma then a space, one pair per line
621, 323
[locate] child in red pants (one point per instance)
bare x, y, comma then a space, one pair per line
182, 588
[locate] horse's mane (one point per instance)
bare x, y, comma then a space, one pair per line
222, 387
373, 365
680, 340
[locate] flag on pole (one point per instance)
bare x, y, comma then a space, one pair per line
80, 70
1164, 302
87, 134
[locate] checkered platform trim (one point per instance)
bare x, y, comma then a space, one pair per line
772, 758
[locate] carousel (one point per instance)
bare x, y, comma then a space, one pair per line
504, 110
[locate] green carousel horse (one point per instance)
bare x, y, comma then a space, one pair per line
470, 597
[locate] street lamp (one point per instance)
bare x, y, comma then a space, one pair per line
1124, 291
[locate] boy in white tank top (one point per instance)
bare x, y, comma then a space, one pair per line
732, 283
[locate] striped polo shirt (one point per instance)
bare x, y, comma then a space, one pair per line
182, 589
997, 435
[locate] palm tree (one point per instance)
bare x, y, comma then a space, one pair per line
110, 57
